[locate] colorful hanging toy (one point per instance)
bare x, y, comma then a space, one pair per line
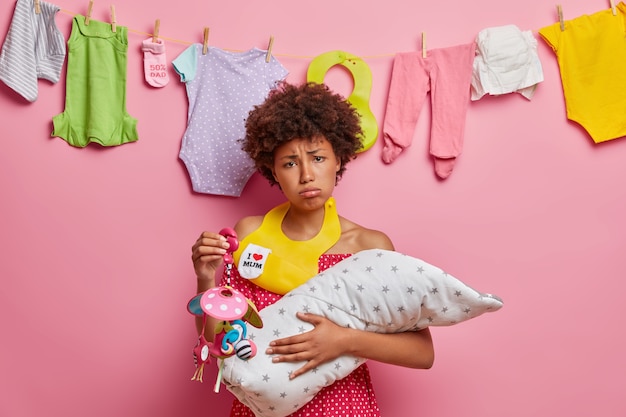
232, 310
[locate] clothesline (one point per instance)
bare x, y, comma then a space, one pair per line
183, 42
559, 13
387, 55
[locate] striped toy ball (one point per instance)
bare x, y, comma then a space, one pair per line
245, 349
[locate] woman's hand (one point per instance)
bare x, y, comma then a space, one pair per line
207, 253
327, 341
324, 343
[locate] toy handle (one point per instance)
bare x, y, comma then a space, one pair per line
231, 237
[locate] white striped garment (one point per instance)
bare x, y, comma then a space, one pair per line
34, 48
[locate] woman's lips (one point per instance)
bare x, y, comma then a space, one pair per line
310, 192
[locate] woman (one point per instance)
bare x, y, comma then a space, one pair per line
301, 139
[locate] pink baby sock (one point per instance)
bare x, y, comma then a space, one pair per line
444, 166
154, 62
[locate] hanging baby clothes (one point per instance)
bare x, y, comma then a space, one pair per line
95, 98
506, 62
591, 53
446, 73
33, 49
222, 87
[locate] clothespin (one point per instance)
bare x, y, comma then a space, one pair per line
89, 9
268, 56
559, 11
37, 7
155, 34
113, 20
612, 3
424, 45
205, 42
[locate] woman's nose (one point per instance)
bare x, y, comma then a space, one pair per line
306, 173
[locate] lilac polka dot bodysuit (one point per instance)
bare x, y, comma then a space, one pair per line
222, 87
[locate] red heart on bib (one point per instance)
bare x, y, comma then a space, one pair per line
257, 256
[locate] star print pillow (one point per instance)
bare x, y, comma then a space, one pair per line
375, 290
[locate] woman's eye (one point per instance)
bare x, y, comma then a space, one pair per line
319, 158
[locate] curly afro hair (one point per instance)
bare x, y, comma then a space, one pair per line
308, 111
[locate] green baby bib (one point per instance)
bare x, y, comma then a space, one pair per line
360, 96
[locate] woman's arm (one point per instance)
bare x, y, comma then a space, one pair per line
207, 254
409, 349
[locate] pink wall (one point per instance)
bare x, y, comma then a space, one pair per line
96, 242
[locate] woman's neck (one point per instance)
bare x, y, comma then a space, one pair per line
302, 225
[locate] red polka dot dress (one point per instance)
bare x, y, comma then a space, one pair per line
352, 396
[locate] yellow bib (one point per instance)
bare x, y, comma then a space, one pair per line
278, 264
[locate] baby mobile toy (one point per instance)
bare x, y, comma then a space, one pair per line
232, 309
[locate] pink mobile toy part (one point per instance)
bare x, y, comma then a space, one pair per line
233, 310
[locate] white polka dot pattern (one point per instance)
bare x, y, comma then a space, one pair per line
224, 303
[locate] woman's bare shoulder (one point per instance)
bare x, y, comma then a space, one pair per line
355, 238
247, 225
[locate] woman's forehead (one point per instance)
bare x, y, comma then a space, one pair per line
308, 144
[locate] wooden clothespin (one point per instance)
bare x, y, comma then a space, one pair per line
155, 34
612, 3
113, 20
424, 45
268, 56
559, 12
89, 10
37, 7
205, 42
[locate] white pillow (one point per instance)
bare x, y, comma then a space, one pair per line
375, 290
